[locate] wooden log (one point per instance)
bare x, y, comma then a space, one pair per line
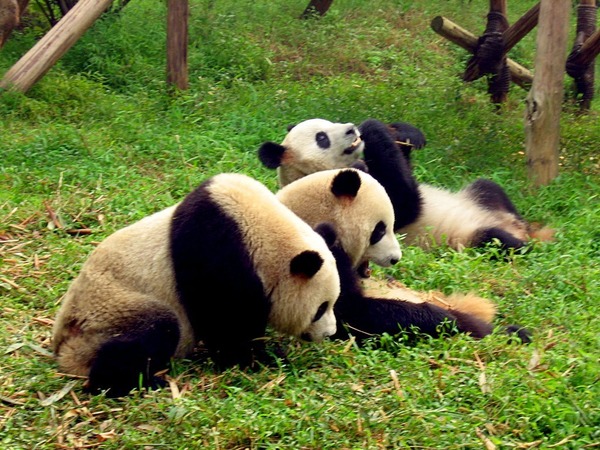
467, 40
521, 27
177, 43
43, 55
544, 101
589, 50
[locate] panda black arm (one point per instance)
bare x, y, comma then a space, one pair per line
366, 317
388, 165
407, 137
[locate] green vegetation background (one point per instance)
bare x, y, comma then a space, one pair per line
99, 143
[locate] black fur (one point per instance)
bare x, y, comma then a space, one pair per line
270, 154
407, 137
135, 354
346, 183
388, 166
365, 317
208, 250
392, 169
307, 264
485, 236
491, 196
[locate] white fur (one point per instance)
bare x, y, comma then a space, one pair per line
131, 273
457, 217
304, 156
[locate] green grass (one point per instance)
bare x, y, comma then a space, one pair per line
100, 144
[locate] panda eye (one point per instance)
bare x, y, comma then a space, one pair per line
323, 140
320, 311
378, 233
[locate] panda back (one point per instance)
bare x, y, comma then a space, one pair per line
233, 236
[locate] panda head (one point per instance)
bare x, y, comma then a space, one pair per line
302, 301
355, 204
311, 146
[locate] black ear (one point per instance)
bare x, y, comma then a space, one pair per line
327, 232
346, 183
306, 264
271, 154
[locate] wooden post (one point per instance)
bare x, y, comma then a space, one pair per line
316, 6
544, 101
9, 18
42, 56
177, 43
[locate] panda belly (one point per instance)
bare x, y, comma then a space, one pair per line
127, 282
454, 219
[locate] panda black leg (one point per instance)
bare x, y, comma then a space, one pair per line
131, 359
524, 335
488, 235
491, 196
468, 323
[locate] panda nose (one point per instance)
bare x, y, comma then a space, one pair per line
394, 261
305, 337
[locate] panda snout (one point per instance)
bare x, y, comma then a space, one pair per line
356, 142
394, 261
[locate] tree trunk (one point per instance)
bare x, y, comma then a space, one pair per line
319, 7
177, 43
544, 101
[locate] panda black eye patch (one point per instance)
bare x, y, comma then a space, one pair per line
323, 140
320, 311
378, 233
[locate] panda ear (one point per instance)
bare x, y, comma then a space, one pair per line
306, 264
346, 183
327, 232
271, 154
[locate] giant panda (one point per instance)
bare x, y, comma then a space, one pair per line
426, 215
312, 146
355, 205
218, 267
364, 317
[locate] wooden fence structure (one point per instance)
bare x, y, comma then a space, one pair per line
489, 58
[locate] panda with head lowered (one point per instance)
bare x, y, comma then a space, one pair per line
475, 216
359, 218
144, 295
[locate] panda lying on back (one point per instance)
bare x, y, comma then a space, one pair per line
144, 294
427, 215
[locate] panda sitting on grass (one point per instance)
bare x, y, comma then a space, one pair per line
144, 297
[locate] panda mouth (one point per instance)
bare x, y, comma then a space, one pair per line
353, 146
